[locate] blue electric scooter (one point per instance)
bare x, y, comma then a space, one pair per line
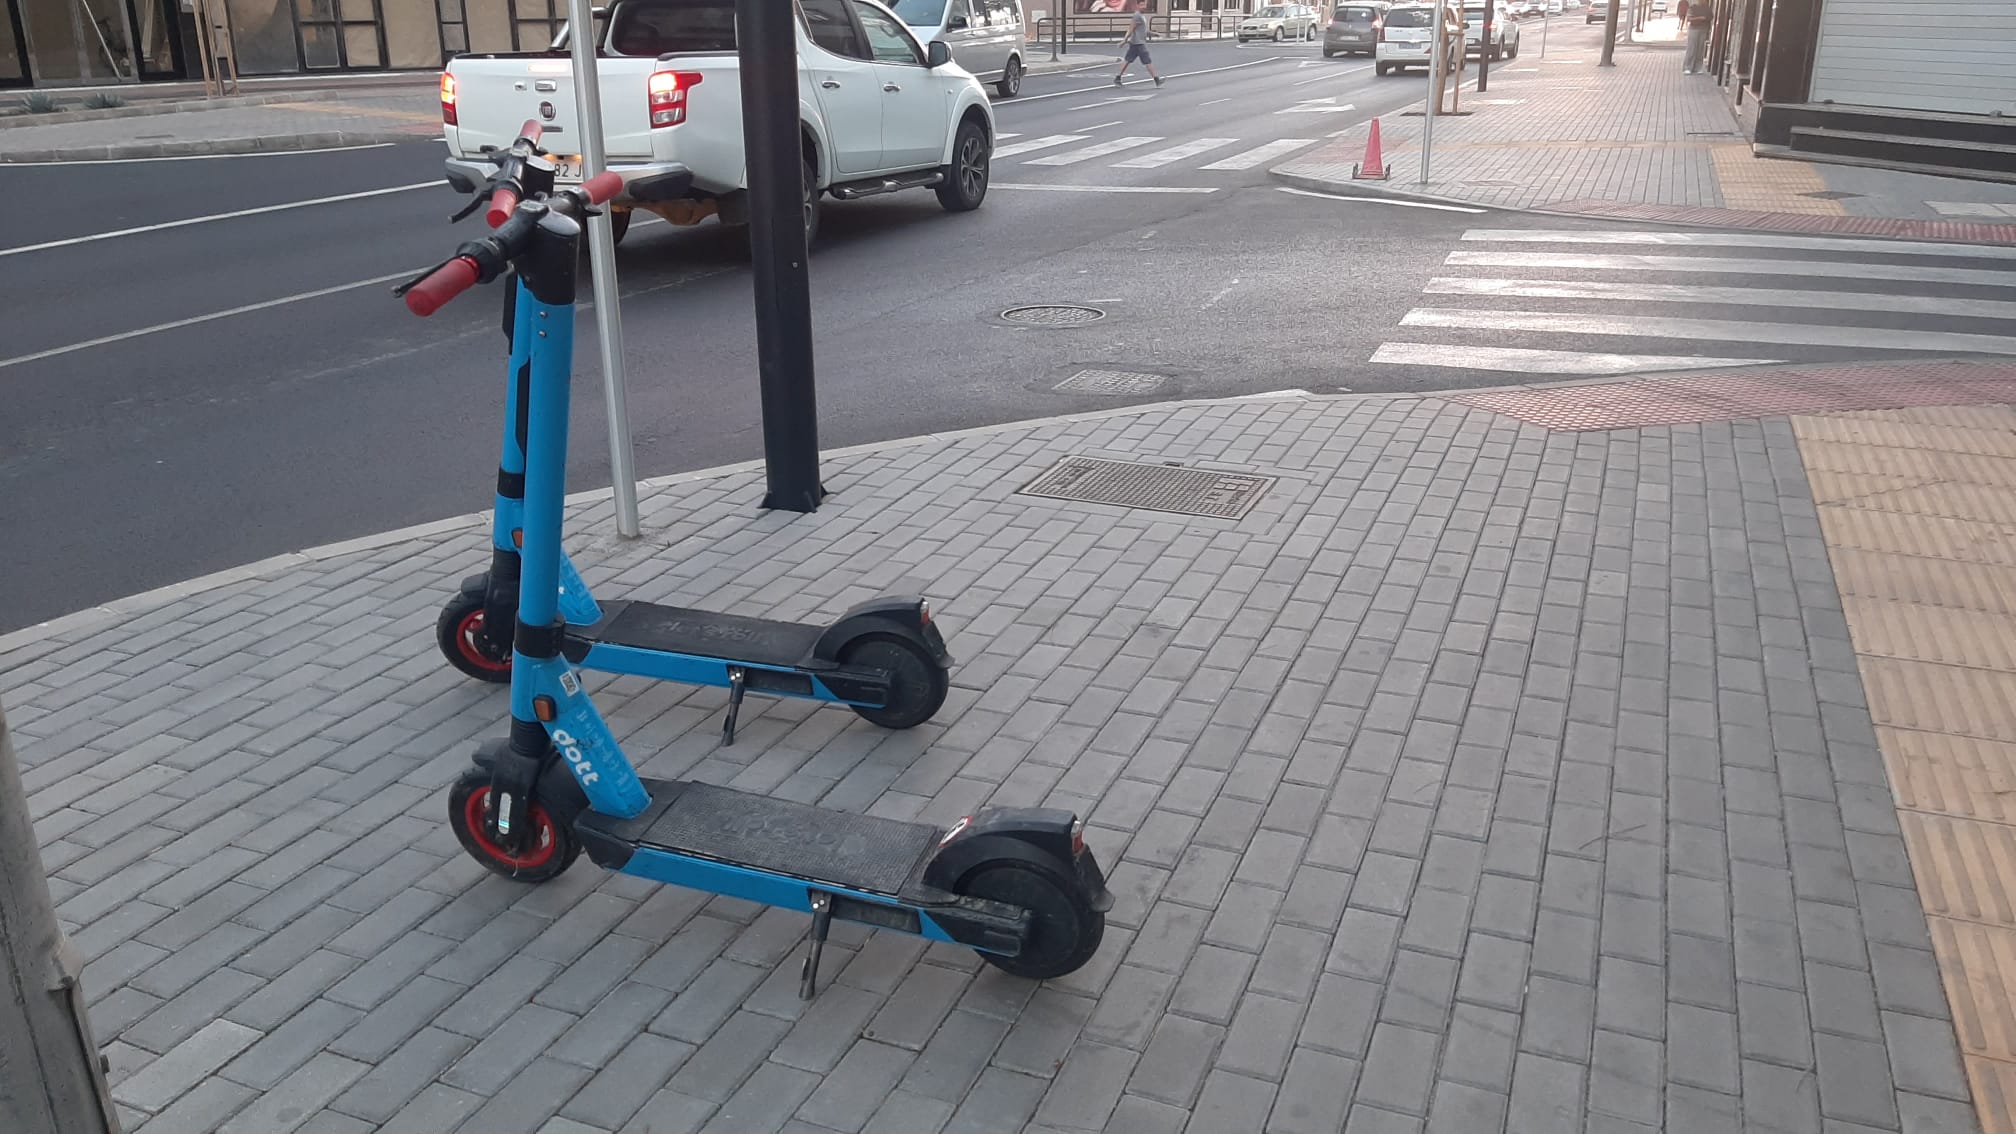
883, 658
1015, 884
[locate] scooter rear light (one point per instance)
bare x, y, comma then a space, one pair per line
447, 98
668, 96
924, 613
1077, 837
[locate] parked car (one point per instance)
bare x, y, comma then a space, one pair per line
1278, 22
985, 36
1504, 33
1354, 28
1409, 29
1554, 7
878, 111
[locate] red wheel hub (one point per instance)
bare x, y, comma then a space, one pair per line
476, 816
469, 635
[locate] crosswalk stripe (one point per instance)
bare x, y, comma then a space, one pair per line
1072, 157
1258, 154
1746, 296
1642, 262
1735, 330
1524, 361
1033, 144
1741, 240
1173, 153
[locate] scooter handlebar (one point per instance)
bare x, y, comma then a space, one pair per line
503, 202
602, 186
441, 285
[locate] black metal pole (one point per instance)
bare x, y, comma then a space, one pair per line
767, 43
1484, 49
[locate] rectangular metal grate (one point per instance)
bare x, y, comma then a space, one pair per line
1110, 382
1154, 488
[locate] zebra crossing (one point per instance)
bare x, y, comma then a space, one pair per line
1049, 150
1571, 303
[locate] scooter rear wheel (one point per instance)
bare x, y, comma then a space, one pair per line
553, 847
459, 631
917, 683
1065, 930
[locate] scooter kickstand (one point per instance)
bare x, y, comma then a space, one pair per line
738, 679
822, 920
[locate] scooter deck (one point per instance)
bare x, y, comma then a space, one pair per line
700, 633
858, 852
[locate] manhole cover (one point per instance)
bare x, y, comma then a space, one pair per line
1154, 488
1109, 382
1053, 315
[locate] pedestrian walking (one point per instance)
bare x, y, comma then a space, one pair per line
1696, 14
1137, 45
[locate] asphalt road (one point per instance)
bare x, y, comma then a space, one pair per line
190, 397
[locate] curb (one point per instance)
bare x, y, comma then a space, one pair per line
1793, 223
149, 110
147, 600
320, 140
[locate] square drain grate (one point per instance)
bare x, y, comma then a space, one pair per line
1154, 488
1109, 382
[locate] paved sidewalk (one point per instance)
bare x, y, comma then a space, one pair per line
1507, 766
1641, 141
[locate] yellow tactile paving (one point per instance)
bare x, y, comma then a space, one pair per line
1772, 186
1918, 508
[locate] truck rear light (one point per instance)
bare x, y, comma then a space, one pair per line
668, 96
447, 98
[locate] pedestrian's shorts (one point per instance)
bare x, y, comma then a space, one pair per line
1139, 51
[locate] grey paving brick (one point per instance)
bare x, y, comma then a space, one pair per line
1139, 1115
185, 1065
524, 1103
506, 1050
1781, 1098
1129, 1007
1399, 1072
623, 1085
1262, 1034
1546, 1095
954, 1058
1907, 980
1559, 1017
292, 1101
865, 1076
670, 1112
1364, 945
901, 1113
1421, 989
1918, 1112
914, 1010
395, 1081
1690, 1108
1290, 963
1314, 1095
1037, 1042
1458, 1109
1893, 916
1830, 934
1700, 971
1625, 1078
1201, 876
390, 970
393, 1022
1701, 1048
1167, 937
1495, 971
719, 1066
1087, 1086
1634, 928
1002, 1102
1924, 1057
694, 948
203, 1109
291, 1044
176, 1020
708, 1001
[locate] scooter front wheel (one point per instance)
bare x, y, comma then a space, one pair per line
917, 683
1065, 930
459, 631
553, 847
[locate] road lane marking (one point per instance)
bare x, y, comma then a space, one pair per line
1105, 188
1743, 296
1033, 144
1276, 148
1379, 200
1101, 149
211, 317
1173, 153
46, 245
1332, 75
1173, 75
1522, 361
1214, 102
1734, 330
1730, 265
201, 157
1741, 240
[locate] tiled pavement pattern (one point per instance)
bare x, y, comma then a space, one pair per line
1916, 506
1480, 777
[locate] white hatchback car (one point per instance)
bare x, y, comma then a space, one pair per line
1403, 42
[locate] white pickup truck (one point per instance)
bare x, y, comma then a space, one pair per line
878, 111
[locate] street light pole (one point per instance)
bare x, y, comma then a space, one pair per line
1610, 35
767, 42
51, 1077
602, 265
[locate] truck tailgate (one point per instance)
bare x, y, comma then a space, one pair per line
494, 95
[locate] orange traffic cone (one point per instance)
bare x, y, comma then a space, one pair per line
1374, 167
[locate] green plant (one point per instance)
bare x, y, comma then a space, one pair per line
40, 102
104, 100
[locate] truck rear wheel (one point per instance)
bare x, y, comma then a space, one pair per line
619, 223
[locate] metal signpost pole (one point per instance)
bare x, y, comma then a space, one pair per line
1434, 103
1610, 35
602, 262
1546, 21
767, 41
1484, 49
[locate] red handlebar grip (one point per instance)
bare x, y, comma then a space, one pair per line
441, 285
531, 130
503, 202
602, 186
